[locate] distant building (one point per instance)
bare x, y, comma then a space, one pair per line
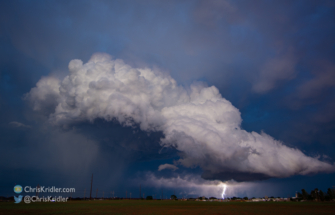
257, 200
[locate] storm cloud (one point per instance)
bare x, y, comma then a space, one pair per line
196, 120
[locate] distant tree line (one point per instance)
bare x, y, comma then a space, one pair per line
317, 195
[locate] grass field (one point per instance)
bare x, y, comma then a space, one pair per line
168, 207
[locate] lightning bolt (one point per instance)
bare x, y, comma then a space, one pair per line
224, 190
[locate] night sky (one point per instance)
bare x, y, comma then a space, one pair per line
179, 96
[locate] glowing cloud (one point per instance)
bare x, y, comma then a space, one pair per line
195, 120
190, 185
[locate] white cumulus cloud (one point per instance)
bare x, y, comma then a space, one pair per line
196, 120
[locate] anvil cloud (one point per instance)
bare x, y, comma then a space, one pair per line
195, 120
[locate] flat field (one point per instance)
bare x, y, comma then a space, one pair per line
168, 207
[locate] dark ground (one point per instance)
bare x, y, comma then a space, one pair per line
168, 207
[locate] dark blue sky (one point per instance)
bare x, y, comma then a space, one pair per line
273, 60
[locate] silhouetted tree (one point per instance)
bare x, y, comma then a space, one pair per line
315, 194
149, 198
174, 197
304, 194
321, 195
330, 193
245, 198
300, 196
202, 198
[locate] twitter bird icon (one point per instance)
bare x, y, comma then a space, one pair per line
18, 199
